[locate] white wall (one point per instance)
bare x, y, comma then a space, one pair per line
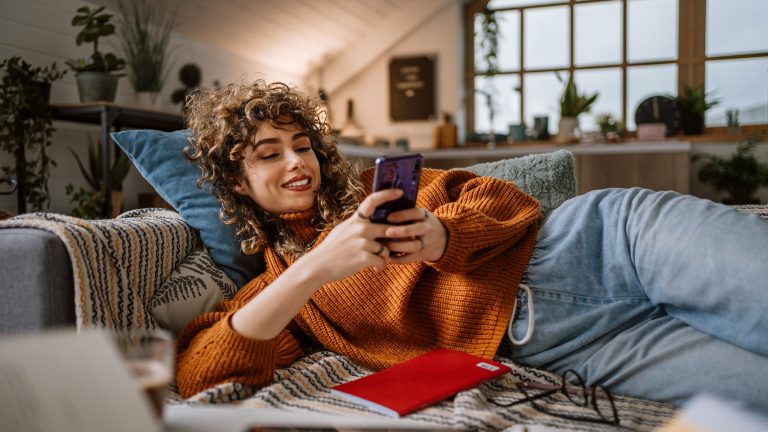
440, 36
40, 32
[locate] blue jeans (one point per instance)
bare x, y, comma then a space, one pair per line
652, 294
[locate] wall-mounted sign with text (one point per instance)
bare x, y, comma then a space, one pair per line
412, 88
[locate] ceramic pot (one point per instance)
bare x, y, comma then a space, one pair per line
566, 131
148, 100
691, 124
96, 86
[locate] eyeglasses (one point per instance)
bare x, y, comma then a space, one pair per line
574, 389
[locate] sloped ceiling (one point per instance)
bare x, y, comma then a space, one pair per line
291, 35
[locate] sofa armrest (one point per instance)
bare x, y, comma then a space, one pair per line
36, 286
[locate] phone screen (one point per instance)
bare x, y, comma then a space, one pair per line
401, 172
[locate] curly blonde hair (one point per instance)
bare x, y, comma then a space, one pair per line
223, 123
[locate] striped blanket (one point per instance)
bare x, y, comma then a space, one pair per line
118, 266
305, 387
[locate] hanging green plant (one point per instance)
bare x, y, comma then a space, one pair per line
489, 48
26, 127
489, 42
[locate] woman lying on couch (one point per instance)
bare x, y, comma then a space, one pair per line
651, 294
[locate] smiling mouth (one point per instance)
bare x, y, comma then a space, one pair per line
300, 184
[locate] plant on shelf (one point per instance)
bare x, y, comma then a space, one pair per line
95, 78
732, 121
190, 76
741, 174
88, 203
145, 29
692, 105
26, 127
572, 104
611, 128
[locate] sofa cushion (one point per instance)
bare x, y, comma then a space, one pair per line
549, 177
194, 287
158, 157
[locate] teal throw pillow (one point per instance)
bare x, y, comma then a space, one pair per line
158, 157
549, 177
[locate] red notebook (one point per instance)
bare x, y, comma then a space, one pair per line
421, 381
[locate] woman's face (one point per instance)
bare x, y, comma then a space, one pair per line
282, 173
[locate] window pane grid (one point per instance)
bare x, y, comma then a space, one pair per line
640, 43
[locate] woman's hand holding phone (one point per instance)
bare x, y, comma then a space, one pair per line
350, 247
354, 244
416, 235
423, 237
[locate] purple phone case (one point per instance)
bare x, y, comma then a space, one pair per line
401, 172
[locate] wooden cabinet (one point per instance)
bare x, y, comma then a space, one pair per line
658, 171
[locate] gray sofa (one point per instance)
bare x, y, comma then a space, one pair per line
36, 286
135, 271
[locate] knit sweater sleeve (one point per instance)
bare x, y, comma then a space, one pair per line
211, 352
484, 216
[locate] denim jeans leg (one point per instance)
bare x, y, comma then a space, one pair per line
622, 261
665, 359
704, 263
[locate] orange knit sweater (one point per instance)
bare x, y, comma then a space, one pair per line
463, 301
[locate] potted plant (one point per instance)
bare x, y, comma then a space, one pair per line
145, 29
90, 202
26, 127
741, 174
95, 80
190, 76
692, 104
732, 121
572, 104
611, 128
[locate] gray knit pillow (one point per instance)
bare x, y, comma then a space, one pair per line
549, 177
194, 287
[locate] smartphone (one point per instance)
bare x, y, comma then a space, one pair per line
403, 172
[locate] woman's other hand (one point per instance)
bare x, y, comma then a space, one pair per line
422, 238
